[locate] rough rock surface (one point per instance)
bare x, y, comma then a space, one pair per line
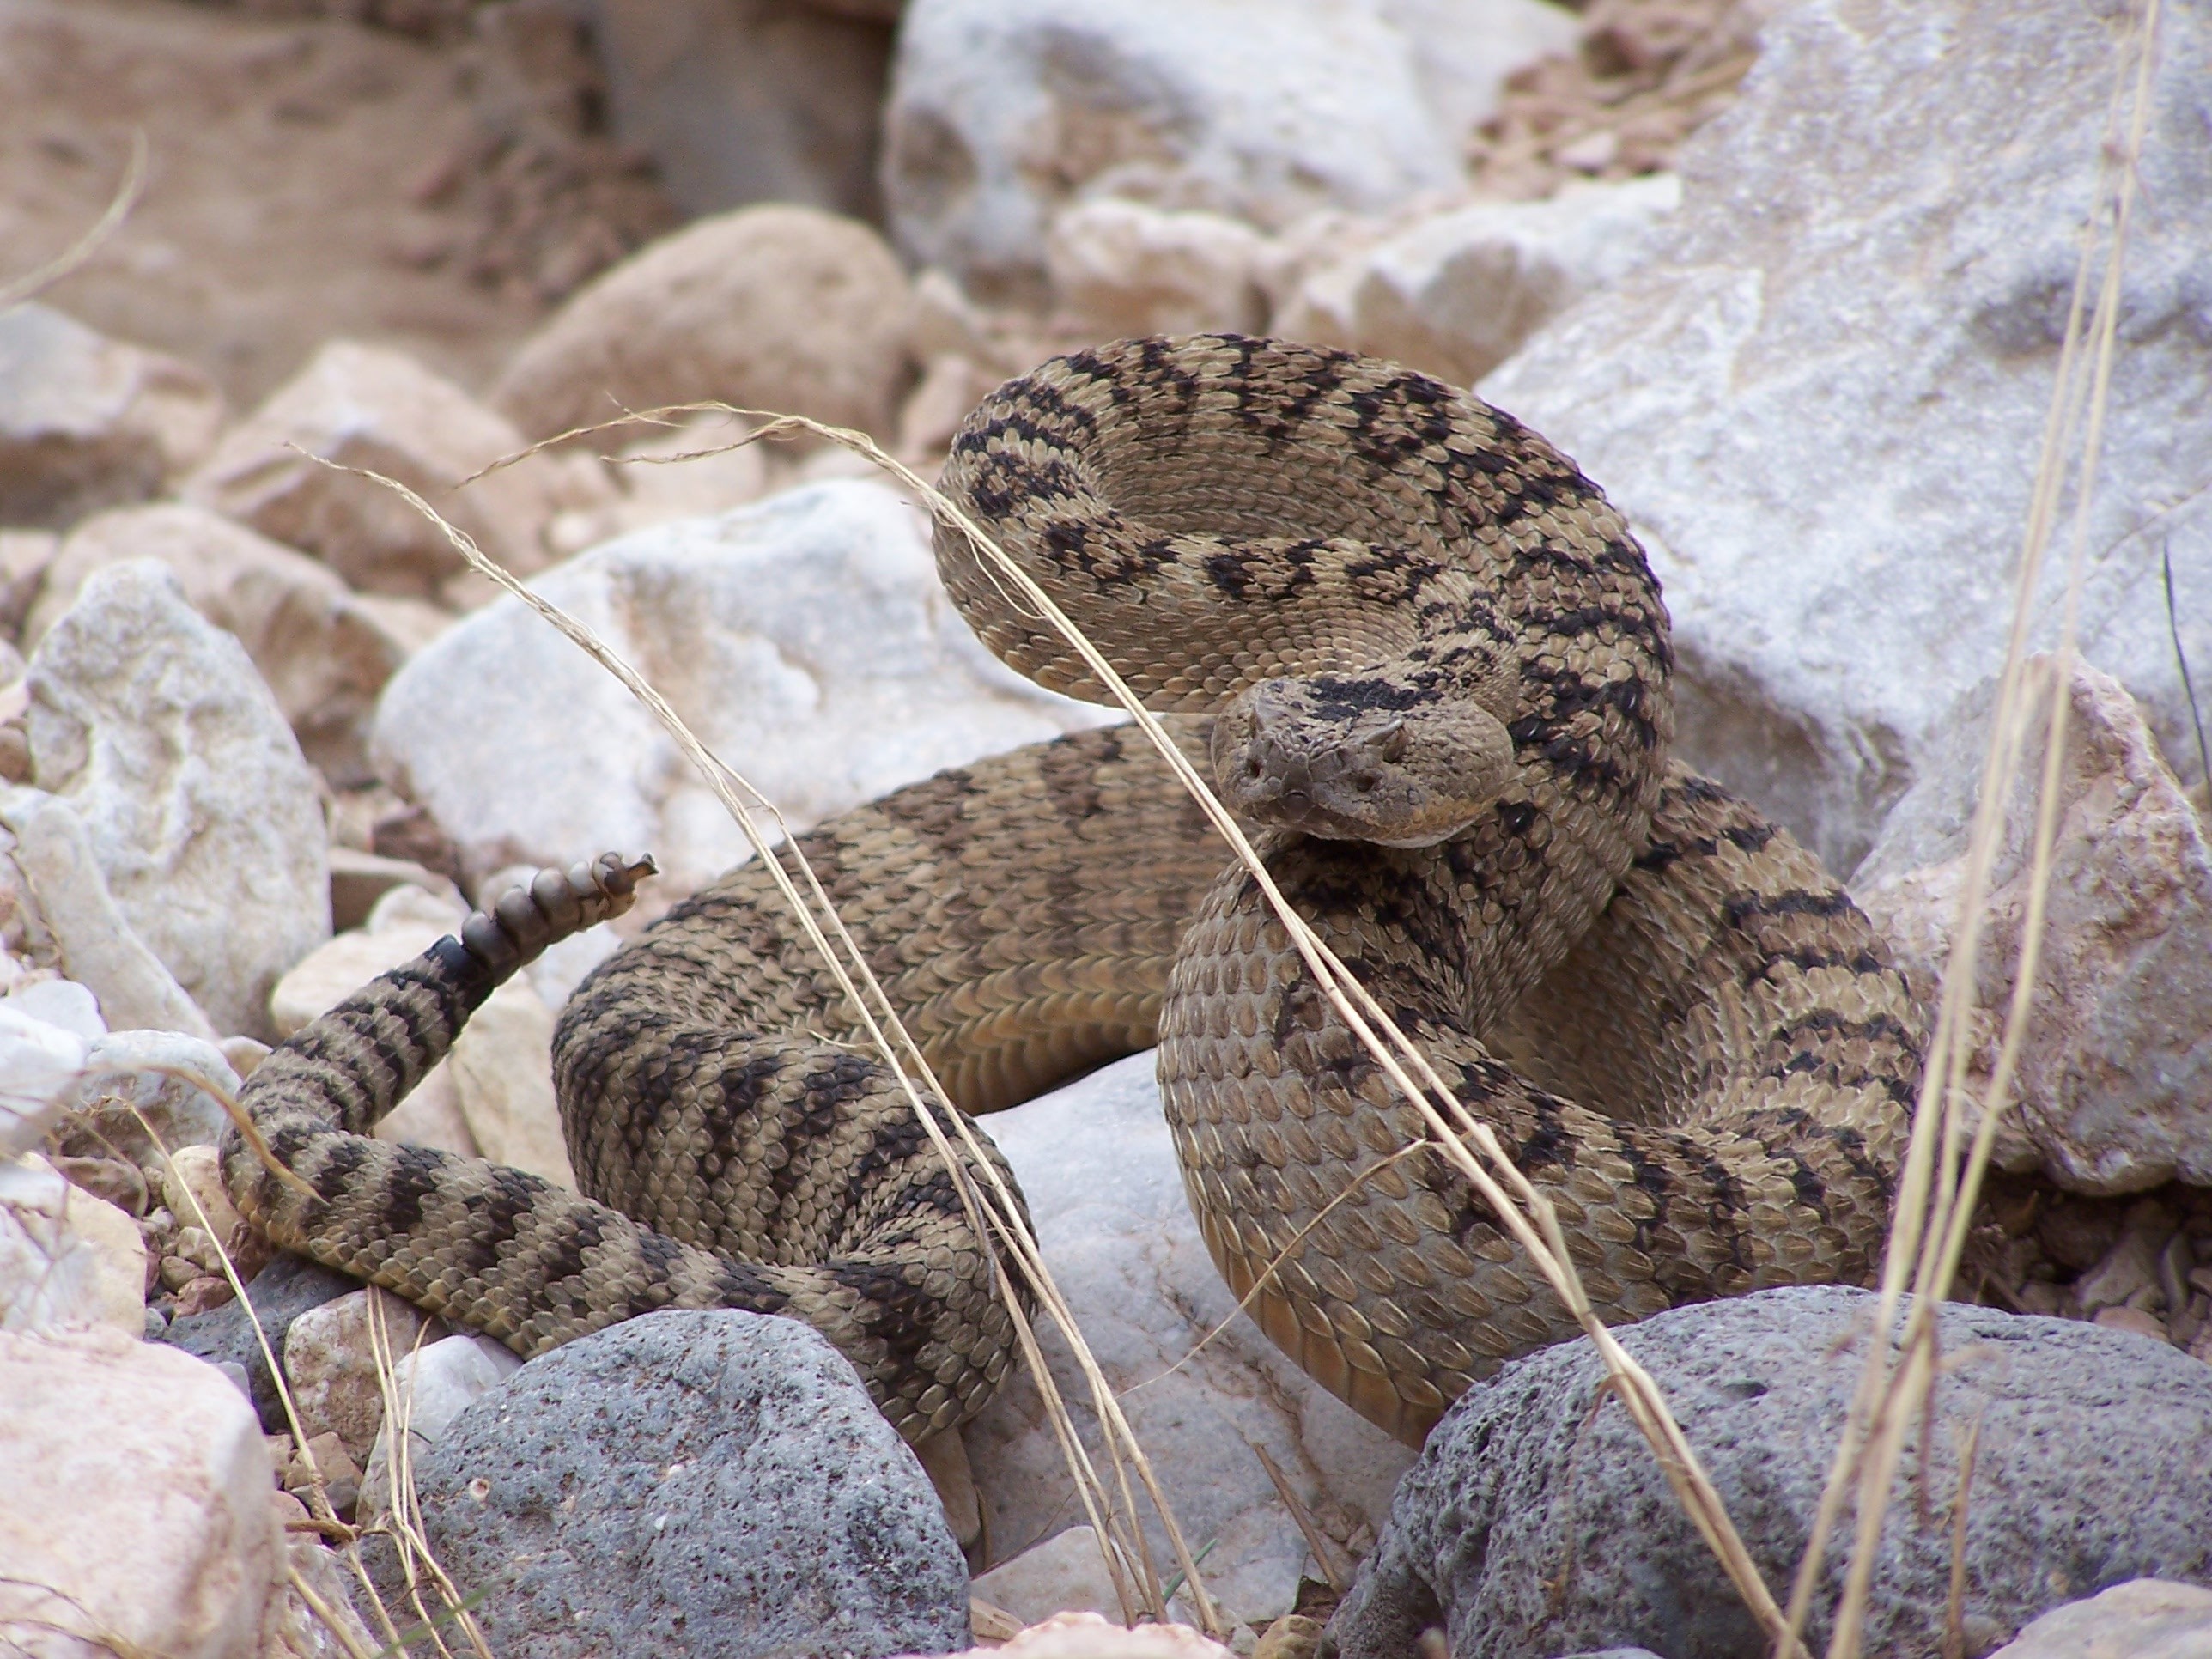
1089, 1636
1535, 1470
1456, 293
1821, 405
87, 423
329, 1360
134, 1507
66, 1258
369, 407
719, 1480
777, 307
1064, 1573
2113, 1089
806, 641
154, 725
2144, 1619
1096, 1164
323, 654
139, 1087
1002, 112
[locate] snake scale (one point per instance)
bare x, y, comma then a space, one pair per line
1429, 667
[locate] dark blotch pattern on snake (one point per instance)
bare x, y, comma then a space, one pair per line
1429, 667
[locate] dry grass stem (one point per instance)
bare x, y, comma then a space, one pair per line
1938, 1187
75, 255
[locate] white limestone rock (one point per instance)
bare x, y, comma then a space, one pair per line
135, 1511
1821, 405
87, 422
776, 307
1096, 1164
156, 1076
322, 651
205, 819
1003, 110
67, 1259
58, 872
38, 1060
2113, 1089
378, 409
1456, 292
2142, 1619
806, 640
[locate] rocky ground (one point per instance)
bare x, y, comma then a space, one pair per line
1788, 279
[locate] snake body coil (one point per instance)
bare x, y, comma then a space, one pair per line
1429, 667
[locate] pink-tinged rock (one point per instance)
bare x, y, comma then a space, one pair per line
135, 1511
2114, 1087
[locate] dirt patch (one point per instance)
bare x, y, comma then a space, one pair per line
309, 177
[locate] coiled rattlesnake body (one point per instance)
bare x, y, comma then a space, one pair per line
1429, 664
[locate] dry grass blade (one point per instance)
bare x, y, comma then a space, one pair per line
888, 1035
1938, 1187
72, 257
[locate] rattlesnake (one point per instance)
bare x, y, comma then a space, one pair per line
1429, 664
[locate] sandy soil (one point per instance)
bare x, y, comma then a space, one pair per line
311, 178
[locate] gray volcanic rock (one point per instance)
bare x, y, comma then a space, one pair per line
693, 1483
1537, 1523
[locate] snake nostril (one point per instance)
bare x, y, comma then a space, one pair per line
1365, 783
1252, 767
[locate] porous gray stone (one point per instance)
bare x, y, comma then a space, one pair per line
288, 1287
693, 1483
1536, 1521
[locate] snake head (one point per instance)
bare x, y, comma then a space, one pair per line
1350, 758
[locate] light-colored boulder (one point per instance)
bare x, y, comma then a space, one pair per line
1098, 1168
1065, 1573
433, 1384
1822, 403
777, 306
92, 941
135, 1512
370, 407
87, 422
154, 725
756, 101
1456, 292
806, 640
38, 1060
2114, 1085
2142, 1619
1126, 268
24, 556
66, 1258
686, 471
143, 1087
1003, 110
329, 1360
322, 654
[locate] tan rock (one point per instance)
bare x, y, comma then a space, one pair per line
67, 1259
502, 1070
2115, 1079
951, 386
945, 1461
1293, 1636
367, 407
686, 471
775, 307
1124, 268
322, 654
134, 1501
24, 556
87, 423
359, 880
192, 1186
2142, 1619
